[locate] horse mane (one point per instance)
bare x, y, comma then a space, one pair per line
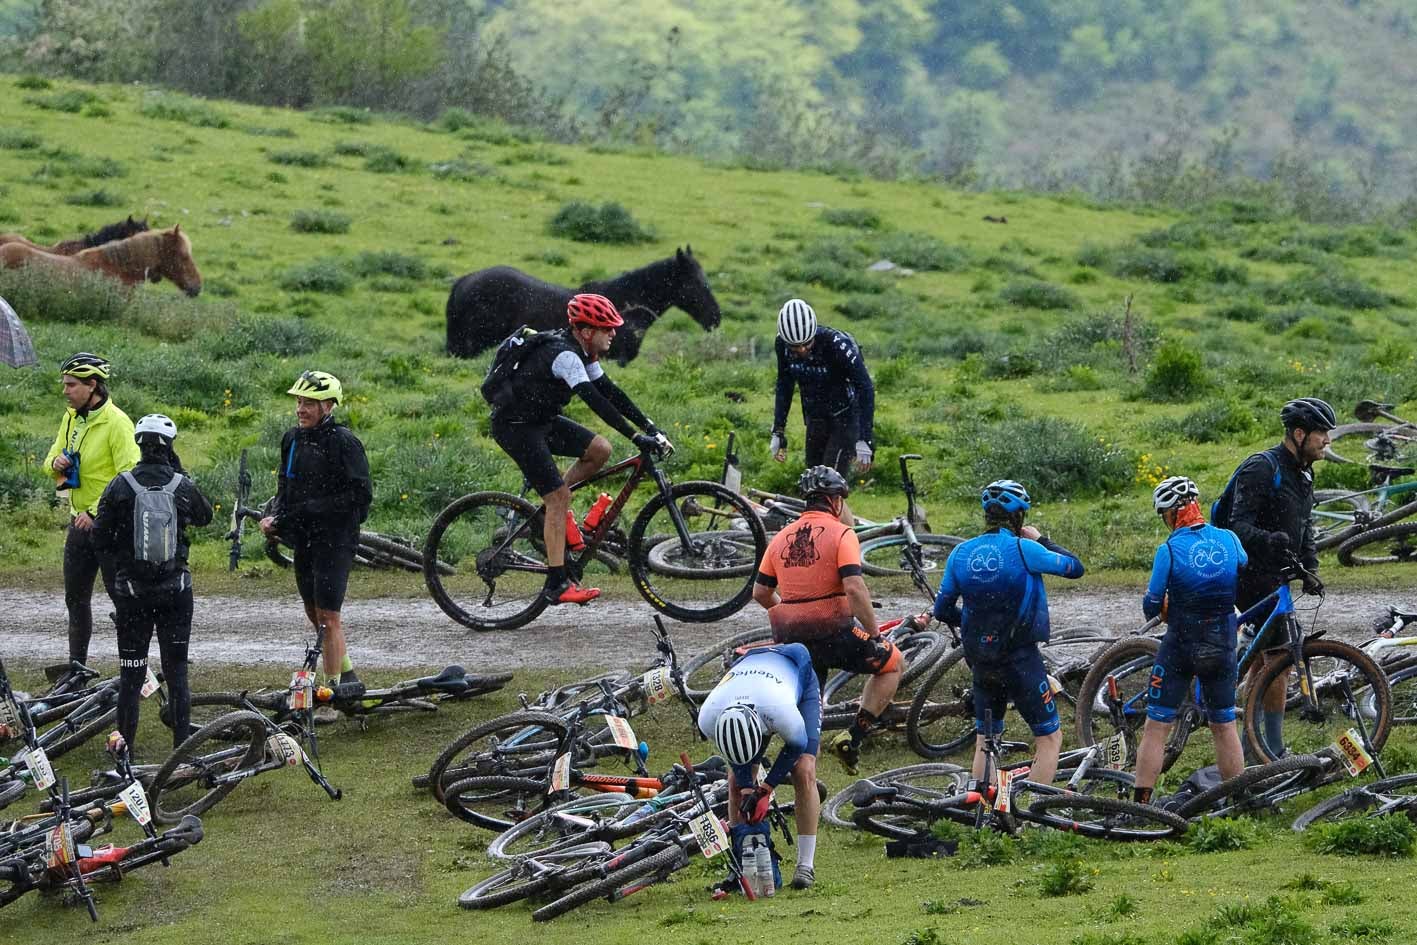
115, 231
139, 252
647, 286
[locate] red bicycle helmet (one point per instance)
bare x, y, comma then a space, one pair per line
594, 311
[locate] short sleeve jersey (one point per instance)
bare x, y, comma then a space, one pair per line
806, 562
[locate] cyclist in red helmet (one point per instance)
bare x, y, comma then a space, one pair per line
528, 424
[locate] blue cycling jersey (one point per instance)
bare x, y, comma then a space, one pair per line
834, 380
999, 575
1197, 568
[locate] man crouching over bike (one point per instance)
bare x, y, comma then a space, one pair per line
810, 582
771, 690
1005, 617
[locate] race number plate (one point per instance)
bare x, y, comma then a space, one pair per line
733, 479
1004, 781
1054, 684
1114, 751
708, 830
1352, 753
656, 685
9, 718
137, 802
621, 733
560, 774
284, 749
150, 684
59, 846
38, 763
302, 688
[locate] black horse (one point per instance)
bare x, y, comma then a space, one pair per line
486, 306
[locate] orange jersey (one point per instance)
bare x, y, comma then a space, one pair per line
805, 562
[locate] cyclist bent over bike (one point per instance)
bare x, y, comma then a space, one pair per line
1193, 585
528, 425
810, 582
771, 690
1005, 616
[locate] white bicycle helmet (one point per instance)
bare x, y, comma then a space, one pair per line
155, 423
740, 734
796, 322
1174, 493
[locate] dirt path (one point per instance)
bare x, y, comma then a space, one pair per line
397, 632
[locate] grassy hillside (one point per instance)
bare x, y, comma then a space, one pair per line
1003, 352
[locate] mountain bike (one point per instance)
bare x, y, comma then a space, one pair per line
1332, 682
493, 543
1398, 433
1262, 788
1339, 516
1394, 795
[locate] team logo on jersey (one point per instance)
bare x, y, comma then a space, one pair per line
801, 551
985, 565
1208, 558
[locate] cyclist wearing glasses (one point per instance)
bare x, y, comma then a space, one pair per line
838, 397
1270, 508
322, 496
810, 582
1192, 584
771, 690
529, 426
94, 444
1005, 616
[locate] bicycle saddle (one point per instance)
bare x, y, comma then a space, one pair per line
1391, 472
1369, 410
59, 670
451, 679
865, 791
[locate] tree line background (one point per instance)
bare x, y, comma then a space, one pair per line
1123, 99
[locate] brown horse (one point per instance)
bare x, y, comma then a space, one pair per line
151, 255
114, 231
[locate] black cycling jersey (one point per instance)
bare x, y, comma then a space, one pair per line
324, 481
112, 532
835, 383
1260, 508
545, 382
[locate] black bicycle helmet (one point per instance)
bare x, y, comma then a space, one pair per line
822, 480
1308, 413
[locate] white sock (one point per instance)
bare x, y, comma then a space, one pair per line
806, 850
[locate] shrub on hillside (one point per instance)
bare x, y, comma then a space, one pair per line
386, 161
923, 252
19, 139
1176, 373
860, 218
319, 221
1218, 420
1328, 286
389, 264
608, 223
297, 158
1240, 310
1389, 835
1055, 458
255, 334
342, 115
1036, 293
831, 275
71, 102
82, 297
177, 108
261, 131
458, 169
95, 198
33, 83
320, 275
351, 148
886, 306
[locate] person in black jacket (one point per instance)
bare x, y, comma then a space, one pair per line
322, 496
154, 594
1270, 510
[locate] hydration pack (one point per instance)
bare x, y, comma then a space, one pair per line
1220, 508
497, 385
154, 526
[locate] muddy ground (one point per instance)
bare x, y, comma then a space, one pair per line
392, 632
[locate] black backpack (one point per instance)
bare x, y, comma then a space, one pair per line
1220, 508
514, 349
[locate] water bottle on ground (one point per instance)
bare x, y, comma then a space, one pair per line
762, 853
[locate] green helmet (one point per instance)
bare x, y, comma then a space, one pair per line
84, 364
317, 385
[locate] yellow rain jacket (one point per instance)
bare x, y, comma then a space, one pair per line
104, 441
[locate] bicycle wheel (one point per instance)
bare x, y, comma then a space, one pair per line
614, 885
1404, 697
920, 651
1129, 662
405, 555
183, 784
945, 777
187, 834
1258, 788
530, 876
11, 791
1345, 430
711, 555
1368, 800
520, 745
1106, 818
494, 585
1383, 545
1333, 516
884, 556
493, 802
703, 671
1346, 682
940, 720
722, 575
570, 823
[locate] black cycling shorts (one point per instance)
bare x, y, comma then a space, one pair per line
322, 563
854, 651
533, 447
831, 444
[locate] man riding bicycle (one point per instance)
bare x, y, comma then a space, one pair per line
1005, 616
810, 582
529, 426
838, 396
771, 690
1193, 579
1272, 499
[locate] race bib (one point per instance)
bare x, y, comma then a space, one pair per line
621, 733
656, 685
1113, 751
284, 749
1004, 781
137, 801
1351, 752
59, 846
38, 763
302, 687
708, 831
560, 774
149, 685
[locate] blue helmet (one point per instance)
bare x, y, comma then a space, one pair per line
1005, 494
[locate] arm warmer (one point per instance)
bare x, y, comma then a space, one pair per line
604, 409
621, 401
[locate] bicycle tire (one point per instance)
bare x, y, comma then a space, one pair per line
667, 557
1238, 794
467, 530
831, 809
102, 722
920, 651
531, 757
12, 791
1130, 660
219, 738
685, 600
878, 553
1373, 696
712, 663
514, 883
512, 843
1399, 541
1344, 430
460, 796
1403, 684
1121, 821
671, 860
1332, 532
944, 699
1357, 801
407, 555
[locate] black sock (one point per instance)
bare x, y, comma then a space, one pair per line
348, 676
555, 575
1142, 795
862, 726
